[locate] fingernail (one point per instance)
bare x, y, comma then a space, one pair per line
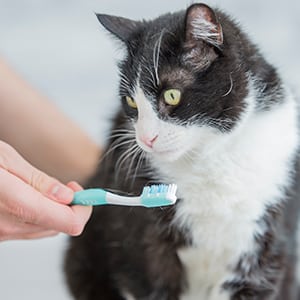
61, 192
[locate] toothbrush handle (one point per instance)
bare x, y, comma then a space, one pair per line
90, 197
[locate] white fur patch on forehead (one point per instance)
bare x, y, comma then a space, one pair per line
148, 122
143, 103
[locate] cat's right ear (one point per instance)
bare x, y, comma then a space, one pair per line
120, 27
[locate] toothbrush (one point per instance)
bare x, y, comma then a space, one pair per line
152, 196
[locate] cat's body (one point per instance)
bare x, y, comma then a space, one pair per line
229, 143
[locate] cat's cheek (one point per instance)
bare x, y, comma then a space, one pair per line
172, 152
168, 156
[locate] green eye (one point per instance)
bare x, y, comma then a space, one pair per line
172, 96
131, 102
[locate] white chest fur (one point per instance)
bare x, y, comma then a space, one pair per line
226, 187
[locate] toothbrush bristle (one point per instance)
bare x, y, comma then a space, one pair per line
168, 191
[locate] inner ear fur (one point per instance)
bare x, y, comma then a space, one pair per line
201, 24
203, 34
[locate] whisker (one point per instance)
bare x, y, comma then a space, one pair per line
124, 157
122, 137
122, 130
125, 85
156, 54
231, 86
139, 162
152, 78
116, 144
136, 153
147, 68
112, 148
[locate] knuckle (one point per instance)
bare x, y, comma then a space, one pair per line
15, 210
22, 214
31, 218
41, 182
19, 212
36, 179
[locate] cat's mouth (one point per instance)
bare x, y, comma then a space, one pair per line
168, 144
152, 146
153, 149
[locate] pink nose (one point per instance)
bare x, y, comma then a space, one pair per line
149, 141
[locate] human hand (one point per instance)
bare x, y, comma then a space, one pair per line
33, 204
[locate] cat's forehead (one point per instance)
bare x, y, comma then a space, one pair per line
163, 76
176, 76
162, 34
157, 58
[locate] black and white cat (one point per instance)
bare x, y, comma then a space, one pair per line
203, 109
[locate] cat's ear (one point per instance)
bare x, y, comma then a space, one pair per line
120, 27
203, 34
201, 23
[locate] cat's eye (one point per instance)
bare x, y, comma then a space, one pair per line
172, 97
131, 102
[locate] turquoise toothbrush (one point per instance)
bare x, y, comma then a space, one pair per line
152, 196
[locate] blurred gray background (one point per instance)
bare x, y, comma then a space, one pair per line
60, 48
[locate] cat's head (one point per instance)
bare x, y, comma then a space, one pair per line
183, 81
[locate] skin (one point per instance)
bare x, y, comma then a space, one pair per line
40, 151
44, 136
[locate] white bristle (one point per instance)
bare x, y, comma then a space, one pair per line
171, 193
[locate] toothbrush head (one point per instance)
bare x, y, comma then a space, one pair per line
159, 195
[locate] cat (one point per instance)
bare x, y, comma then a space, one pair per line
202, 108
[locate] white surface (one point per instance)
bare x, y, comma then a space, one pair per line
61, 49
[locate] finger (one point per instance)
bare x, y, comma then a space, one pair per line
14, 163
74, 186
12, 229
34, 236
84, 214
29, 206
29, 235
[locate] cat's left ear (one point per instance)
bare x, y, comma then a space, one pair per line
120, 27
201, 24
203, 35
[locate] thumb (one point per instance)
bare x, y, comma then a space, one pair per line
14, 163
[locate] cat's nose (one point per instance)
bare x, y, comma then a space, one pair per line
149, 141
